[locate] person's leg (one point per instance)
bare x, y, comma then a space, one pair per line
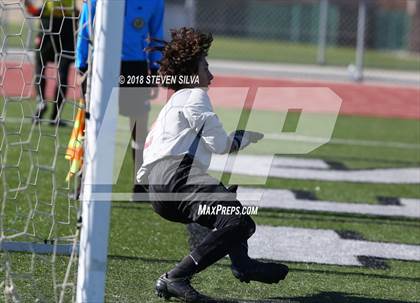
139, 133
228, 232
63, 57
246, 269
41, 105
61, 88
43, 55
230, 237
190, 184
243, 267
140, 138
215, 246
165, 178
133, 124
238, 255
179, 287
196, 234
134, 103
39, 66
227, 229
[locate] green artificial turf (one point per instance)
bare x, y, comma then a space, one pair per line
245, 49
143, 246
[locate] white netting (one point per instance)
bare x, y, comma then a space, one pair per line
39, 213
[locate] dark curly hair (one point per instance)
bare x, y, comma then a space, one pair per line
181, 56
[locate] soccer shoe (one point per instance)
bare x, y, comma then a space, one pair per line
265, 272
179, 288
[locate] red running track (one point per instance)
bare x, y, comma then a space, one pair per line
358, 99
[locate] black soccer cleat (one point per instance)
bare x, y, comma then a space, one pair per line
179, 288
265, 272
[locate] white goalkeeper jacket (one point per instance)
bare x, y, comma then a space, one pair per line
178, 124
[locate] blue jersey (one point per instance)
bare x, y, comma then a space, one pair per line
142, 19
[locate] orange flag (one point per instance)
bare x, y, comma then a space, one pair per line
75, 151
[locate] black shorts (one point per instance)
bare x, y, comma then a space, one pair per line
132, 71
181, 178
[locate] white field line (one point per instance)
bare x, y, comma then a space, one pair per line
322, 246
342, 141
285, 199
263, 166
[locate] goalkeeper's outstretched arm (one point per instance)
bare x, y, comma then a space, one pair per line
199, 114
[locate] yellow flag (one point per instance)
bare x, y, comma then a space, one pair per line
75, 151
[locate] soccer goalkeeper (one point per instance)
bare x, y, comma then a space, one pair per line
177, 154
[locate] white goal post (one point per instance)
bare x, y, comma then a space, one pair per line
99, 155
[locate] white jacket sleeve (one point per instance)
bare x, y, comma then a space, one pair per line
198, 112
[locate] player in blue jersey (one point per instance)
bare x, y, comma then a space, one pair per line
143, 20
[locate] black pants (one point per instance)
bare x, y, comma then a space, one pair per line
55, 45
180, 177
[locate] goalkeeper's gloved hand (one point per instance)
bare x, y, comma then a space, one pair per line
242, 138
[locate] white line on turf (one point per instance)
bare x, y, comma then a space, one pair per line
341, 141
321, 246
285, 199
262, 164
